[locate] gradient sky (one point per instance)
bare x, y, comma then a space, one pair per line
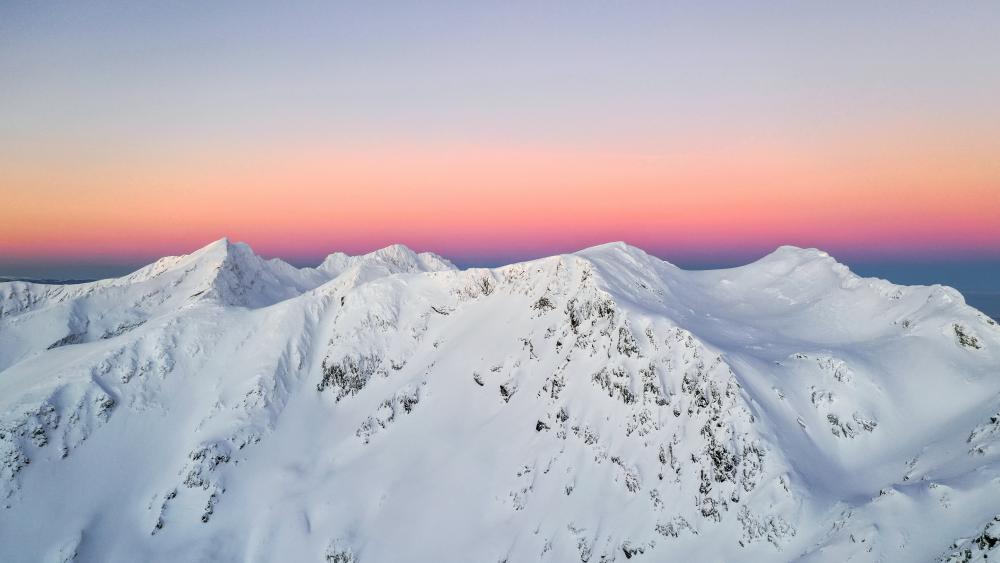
496, 131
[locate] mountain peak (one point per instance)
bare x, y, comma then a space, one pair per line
224, 248
223, 242
614, 246
399, 253
617, 252
796, 253
229, 273
396, 258
214, 253
809, 263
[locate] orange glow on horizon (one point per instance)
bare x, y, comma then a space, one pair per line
914, 196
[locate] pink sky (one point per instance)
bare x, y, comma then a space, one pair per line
905, 194
490, 131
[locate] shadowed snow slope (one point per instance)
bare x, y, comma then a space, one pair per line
598, 406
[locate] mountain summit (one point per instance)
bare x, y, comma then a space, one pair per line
598, 406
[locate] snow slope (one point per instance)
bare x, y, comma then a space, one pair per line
598, 406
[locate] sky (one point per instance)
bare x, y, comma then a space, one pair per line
702, 132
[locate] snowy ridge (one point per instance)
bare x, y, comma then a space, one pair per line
395, 258
598, 406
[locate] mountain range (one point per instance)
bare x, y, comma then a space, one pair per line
597, 406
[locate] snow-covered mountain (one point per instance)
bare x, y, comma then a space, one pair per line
598, 406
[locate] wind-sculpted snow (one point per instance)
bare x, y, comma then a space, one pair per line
598, 406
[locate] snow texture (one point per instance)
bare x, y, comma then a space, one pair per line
598, 406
